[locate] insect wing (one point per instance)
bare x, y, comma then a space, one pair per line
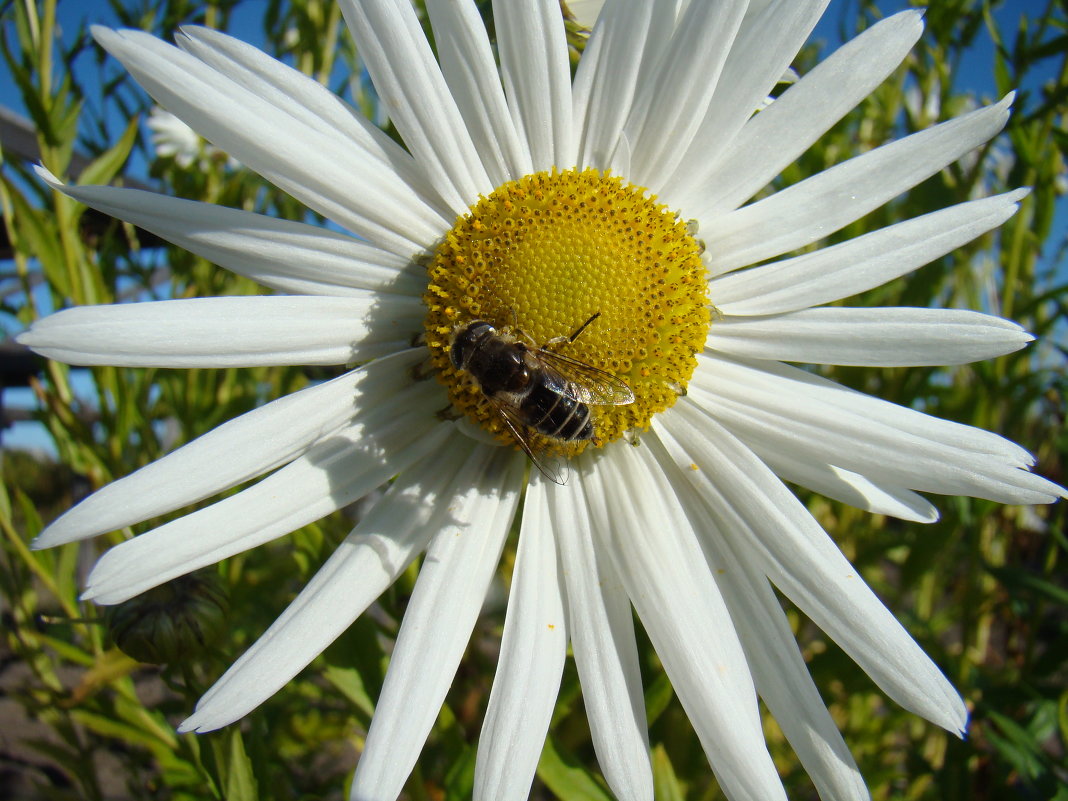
553, 469
584, 382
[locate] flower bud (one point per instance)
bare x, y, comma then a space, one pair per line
175, 621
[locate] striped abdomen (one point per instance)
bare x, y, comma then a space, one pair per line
549, 411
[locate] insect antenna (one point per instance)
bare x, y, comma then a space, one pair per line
583, 327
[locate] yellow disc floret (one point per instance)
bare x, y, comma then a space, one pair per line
545, 253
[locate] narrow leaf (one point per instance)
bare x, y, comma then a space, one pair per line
105, 166
563, 774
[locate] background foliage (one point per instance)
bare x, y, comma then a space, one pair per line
983, 590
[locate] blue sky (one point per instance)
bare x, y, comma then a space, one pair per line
976, 75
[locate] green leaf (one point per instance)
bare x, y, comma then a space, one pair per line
63, 116
563, 774
38, 237
657, 697
1016, 745
350, 683
1054, 47
5, 504
105, 166
31, 524
67, 651
1023, 580
666, 785
460, 778
72, 758
202, 754
235, 768
107, 726
1062, 716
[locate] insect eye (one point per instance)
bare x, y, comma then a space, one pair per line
462, 343
456, 355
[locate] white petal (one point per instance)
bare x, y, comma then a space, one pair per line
607, 77
779, 671
774, 138
602, 638
766, 44
660, 562
818, 206
656, 50
237, 451
305, 99
680, 89
467, 63
229, 331
327, 173
289, 256
848, 487
879, 337
437, 624
862, 263
533, 649
333, 473
792, 381
385, 542
747, 499
411, 87
537, 78
789, 410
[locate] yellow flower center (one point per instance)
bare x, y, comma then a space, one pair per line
540, 256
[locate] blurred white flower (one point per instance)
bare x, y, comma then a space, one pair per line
172, 138
924, 107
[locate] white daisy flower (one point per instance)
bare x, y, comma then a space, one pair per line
532, 201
